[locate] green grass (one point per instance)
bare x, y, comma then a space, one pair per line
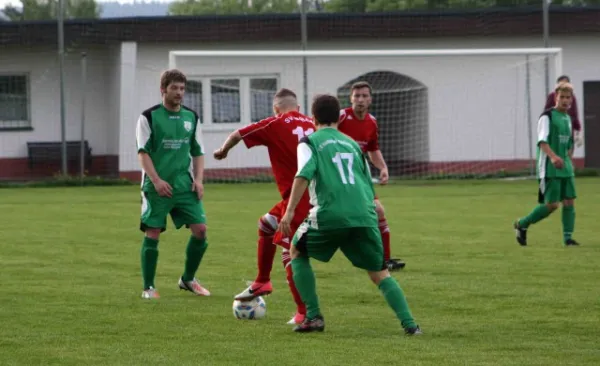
70, 283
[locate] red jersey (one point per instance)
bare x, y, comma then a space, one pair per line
280, 134
364, 131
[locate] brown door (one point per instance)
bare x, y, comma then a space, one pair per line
591, 121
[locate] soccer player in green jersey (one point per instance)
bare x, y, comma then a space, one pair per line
343, 215
170, 151
554, 168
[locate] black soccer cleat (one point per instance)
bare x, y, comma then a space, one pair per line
316, 324
571, 243
394, 264
521, 234
413, 331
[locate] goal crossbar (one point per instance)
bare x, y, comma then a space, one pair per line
557, 52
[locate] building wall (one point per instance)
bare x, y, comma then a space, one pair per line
44, 81
477, 105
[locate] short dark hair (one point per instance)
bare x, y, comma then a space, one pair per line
283, 92
326, 109
563, 77
171, 76
360, 85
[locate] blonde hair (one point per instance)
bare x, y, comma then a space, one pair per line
563, 87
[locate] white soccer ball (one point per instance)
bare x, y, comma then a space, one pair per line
254, 309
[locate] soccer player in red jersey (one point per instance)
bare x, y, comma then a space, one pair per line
281, 134
358, 123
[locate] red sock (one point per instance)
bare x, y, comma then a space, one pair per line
385, 237
266, 255
301, 308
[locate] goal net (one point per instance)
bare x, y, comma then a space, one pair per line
441, 113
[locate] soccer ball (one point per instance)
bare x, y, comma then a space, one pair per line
251, 310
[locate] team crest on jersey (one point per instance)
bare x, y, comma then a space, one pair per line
187, 125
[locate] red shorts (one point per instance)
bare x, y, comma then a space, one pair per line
301, 213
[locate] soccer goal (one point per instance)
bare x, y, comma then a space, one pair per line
443, 113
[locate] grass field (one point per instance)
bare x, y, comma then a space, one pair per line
70, 283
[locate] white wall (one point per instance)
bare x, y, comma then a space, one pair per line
42, 66
476, 104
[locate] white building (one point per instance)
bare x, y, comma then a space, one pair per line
466, 114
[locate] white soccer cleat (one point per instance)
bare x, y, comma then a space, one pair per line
193, 286
254, 290
150, 293
297, 319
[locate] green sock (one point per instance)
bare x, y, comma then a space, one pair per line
149, 256
304, 277
538, 214
568, 221
193, 256
394, 296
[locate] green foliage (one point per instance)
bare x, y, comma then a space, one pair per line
222, 7
48, 9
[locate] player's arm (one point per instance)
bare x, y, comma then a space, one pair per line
144, 146
307, 167
233, 139
367, 172
376, 157
197, 152
253, 134
543, 133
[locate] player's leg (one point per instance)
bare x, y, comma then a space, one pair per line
189, 210
302, 211
364, 249
549, 199
393, 264
568, 211
153, 221
267, 225
310, 243
300, 314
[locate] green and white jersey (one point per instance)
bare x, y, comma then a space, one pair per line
554, 128
340, 186
171, 139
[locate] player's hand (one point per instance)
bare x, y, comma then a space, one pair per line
384, 176
163, 188
284, 224
198, 187
578, 139
557, 162
220, 154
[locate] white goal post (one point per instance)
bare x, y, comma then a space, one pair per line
368, 53
450, 112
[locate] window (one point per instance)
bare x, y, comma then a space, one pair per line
225, 102
262, 91
225, 95
193, 97
14, 101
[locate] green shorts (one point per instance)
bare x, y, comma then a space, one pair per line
185, 209
361, 245
554, 190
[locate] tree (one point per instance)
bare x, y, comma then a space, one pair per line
221, 7
48, 9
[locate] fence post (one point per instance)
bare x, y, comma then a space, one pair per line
82, 151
